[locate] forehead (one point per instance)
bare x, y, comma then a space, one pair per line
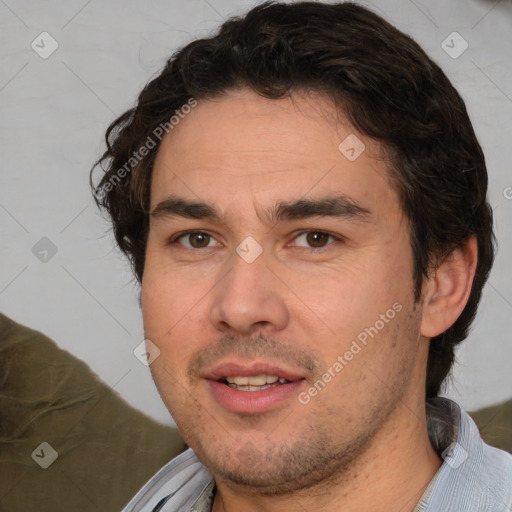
242, 147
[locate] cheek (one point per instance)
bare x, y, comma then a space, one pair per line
172, 307
366, 312
376, 370
167, 299
355, 294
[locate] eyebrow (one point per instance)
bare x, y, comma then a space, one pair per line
340, 206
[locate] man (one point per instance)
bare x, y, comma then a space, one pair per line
303, 200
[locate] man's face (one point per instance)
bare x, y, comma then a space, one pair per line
290, 301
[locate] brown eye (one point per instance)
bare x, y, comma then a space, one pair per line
317, 238
314, 239
196, 240
199, 240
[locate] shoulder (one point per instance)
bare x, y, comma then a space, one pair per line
475, 474
494, 478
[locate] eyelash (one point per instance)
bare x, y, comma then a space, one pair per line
174, 240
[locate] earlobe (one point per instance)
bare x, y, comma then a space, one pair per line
447, 291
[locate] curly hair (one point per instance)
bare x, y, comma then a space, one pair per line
384, 84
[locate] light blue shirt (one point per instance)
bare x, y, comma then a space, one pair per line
474, 476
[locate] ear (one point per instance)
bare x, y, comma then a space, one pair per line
446, 292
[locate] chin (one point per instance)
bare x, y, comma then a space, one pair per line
272, 468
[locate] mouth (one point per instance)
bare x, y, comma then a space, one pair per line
253, 388
254, 383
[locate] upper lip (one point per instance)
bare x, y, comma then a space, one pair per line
232, 369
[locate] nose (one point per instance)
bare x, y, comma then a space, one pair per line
248, 299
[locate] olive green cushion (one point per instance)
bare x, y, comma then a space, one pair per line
495, 425
106, 448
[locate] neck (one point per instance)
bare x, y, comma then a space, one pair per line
392, 474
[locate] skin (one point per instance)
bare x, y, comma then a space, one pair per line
361, 443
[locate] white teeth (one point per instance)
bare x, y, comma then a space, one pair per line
255, 380
250, 388
241, 381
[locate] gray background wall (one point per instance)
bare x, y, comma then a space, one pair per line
73, 285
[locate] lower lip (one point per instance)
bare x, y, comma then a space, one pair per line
253, 402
